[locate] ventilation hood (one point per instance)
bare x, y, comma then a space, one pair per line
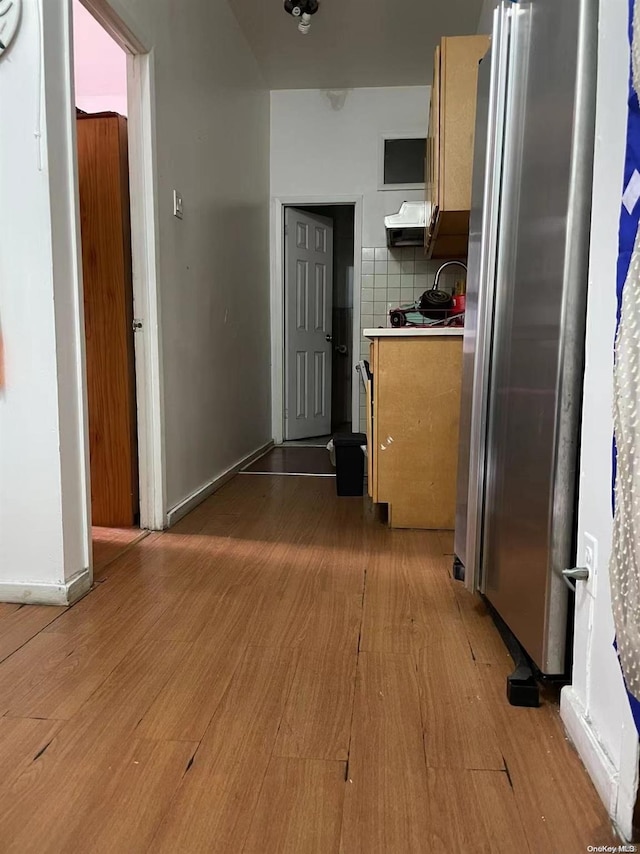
406, 228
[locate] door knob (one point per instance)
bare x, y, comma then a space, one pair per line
329, 337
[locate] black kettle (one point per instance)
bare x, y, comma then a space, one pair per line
434, 303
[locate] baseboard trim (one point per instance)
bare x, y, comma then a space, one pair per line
38, 593
191, 502
284, 474
599, 766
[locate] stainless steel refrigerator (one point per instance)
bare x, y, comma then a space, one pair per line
525, 324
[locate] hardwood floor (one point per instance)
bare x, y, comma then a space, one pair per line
278, 673
111, 543
293, 460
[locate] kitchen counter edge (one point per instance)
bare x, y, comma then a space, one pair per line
413, 332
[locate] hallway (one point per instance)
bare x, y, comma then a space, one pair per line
278, 673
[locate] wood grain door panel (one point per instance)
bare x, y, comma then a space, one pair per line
108, 308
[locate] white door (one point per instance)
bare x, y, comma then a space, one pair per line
308, 289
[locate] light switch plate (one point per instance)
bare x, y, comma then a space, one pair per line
177, 205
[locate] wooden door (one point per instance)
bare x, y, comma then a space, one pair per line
108, 309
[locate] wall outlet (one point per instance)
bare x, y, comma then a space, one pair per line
177, 205
590, 545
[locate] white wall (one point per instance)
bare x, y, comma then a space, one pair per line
100, 66
212, 144
212, 116
485, 25
596, 708
316, 150
44, 540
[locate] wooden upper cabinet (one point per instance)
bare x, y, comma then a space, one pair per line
449, 162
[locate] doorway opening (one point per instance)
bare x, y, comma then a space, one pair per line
318, 273
113, 371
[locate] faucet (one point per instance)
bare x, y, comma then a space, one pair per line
436, 281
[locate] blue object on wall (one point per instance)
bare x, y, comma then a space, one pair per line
629, 224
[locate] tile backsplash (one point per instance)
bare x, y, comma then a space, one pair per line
395, 276
392, 276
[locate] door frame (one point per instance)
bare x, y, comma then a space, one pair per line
277, 301
145, 262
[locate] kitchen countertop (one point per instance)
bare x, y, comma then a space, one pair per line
415, 332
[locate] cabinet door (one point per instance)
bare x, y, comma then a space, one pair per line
417, 412
458, 83
432, 171
371, 448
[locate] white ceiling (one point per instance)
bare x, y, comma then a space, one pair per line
353, 43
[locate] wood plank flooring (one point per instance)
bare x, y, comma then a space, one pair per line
111, 543
293, 460
278, 673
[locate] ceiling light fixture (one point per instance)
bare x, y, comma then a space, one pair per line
337, 98
302, 9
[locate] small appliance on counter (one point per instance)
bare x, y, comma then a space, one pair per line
434, 308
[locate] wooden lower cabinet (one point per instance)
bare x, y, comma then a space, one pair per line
413, 429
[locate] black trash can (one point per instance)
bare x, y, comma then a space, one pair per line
349, 463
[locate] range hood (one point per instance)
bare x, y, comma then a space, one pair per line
406, 228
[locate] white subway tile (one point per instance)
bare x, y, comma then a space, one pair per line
368, 268
408, 267
368, 254
382, 254
380, 282
394, 281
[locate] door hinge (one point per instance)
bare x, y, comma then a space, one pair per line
137, 324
